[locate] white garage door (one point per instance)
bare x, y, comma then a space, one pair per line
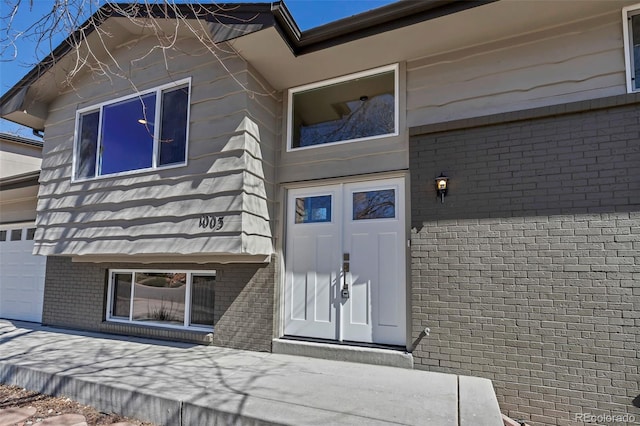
21, 275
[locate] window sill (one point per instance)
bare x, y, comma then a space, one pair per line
200, 337
127, 173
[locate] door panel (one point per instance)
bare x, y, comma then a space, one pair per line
313, 250
21, 279
388, 300
324, 279
367, 223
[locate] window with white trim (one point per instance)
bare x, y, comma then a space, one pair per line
351, 108
144, 131
631, 30
177, 299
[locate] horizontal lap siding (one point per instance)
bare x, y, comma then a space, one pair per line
230, 170
580, 60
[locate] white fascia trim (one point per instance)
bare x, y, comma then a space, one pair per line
396, 71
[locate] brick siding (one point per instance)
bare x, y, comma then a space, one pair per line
529, 273
76, 293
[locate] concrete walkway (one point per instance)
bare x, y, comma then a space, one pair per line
178, 384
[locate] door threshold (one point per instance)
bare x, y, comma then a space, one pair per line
344, 343
364, 353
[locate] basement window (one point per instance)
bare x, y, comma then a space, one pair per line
174, 299
356, 107
631, 30
144, 131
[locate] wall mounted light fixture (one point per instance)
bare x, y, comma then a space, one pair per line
442, 182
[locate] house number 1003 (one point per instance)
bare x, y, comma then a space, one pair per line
208, 221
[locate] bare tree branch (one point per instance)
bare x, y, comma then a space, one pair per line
80, 20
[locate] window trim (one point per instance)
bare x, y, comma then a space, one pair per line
158, 90
627, 35
187, 298
292, 91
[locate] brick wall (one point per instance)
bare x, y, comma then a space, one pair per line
529, 273
76, 293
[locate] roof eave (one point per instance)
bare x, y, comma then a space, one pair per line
376, 21
15, 96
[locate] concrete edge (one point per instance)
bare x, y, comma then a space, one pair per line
477, 402
363, 355
106, 398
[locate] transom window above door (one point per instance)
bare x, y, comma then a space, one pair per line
144, 131
351, 108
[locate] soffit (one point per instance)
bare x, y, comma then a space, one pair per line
275, 61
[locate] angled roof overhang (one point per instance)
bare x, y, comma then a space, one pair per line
267, 37
26, 103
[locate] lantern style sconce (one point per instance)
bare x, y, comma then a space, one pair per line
441, 186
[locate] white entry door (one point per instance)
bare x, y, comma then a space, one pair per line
345, 262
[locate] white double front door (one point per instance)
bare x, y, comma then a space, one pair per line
345, 262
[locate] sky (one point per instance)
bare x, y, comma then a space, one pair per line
18, 61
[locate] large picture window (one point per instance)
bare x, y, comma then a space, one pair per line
631, 29
356, 107
183, 299
141, 132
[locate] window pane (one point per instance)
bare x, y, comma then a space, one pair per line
374, 204
353, 109
31, 232
173, 133
159, 297
3, 235
313, 209
127, 135
87, 145
202, 300
635, 38
121, 304
16, 234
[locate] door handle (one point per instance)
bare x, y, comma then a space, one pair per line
345, 271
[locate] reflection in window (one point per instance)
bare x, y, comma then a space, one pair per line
159, 297
202, 300
139, 133
354, 109
313, 209
121, 304
173, 134
127, 144
374, 204
87, 145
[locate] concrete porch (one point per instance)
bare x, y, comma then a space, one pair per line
181, 384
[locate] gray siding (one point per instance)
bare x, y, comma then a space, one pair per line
230, 167
577, 61
528, 273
